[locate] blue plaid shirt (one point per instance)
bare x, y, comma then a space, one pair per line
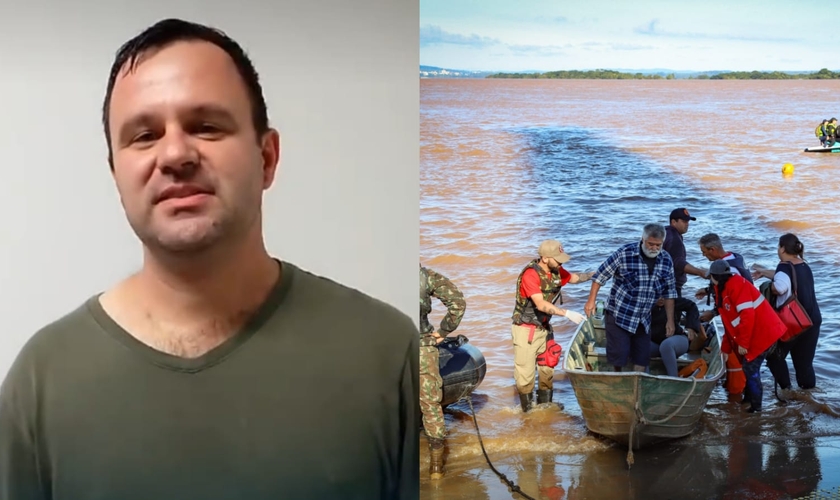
634, 290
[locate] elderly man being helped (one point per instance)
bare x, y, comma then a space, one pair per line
642, 273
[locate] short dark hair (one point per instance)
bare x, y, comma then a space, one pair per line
169, 31
711, 240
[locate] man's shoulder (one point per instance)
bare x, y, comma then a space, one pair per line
666, 258
53, 341
66, 325
627, 249
437, 280
530, 272
327, 300
310, 283
673, 237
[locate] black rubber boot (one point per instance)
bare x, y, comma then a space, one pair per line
747, 398
755, 402
544, 396
526, 400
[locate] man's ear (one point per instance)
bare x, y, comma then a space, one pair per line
271, 156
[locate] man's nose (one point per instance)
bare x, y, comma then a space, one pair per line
178, 154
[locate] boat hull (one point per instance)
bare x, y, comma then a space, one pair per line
668, 407
462, 368
834, 148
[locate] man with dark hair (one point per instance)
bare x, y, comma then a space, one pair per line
677, 227
537, 287
216, 371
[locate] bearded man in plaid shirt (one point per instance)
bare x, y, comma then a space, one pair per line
642, 273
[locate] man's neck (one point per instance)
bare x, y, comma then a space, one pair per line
219, 283
187, 306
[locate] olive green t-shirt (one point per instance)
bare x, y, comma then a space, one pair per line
314, 398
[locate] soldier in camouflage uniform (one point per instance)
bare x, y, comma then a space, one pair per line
537, 286
433, 284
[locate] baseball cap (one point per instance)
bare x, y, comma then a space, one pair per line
681, 214
720, 267
553, 249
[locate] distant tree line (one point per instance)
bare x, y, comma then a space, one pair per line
823, 74
598, 74
602, 74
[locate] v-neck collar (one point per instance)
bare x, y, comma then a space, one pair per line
215, 355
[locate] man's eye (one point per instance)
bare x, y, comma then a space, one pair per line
208, 128
143, 137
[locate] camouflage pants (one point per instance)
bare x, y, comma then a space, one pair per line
431, 392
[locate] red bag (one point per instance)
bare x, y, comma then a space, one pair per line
552, 354
792, 313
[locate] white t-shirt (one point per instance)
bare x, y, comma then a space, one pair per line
782, 283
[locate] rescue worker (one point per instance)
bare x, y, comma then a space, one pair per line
537, 287
712, 248
831, 132
434, 284
751, 325
673, 244
820, 132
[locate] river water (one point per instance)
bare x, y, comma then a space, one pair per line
505, 164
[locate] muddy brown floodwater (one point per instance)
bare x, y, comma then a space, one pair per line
508, 163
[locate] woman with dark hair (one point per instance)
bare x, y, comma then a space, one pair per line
803, 347
750, 325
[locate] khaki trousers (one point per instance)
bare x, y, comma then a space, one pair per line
525, 359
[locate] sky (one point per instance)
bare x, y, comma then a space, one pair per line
682, 35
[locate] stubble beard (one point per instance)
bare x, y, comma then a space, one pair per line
191, 236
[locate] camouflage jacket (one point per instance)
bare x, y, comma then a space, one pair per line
433, 284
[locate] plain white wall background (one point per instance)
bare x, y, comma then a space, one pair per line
340, 80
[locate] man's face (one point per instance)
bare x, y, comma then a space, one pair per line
554, 265
709, 253
188, 165
680, 225
652, 246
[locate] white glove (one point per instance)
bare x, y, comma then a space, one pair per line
574, 316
